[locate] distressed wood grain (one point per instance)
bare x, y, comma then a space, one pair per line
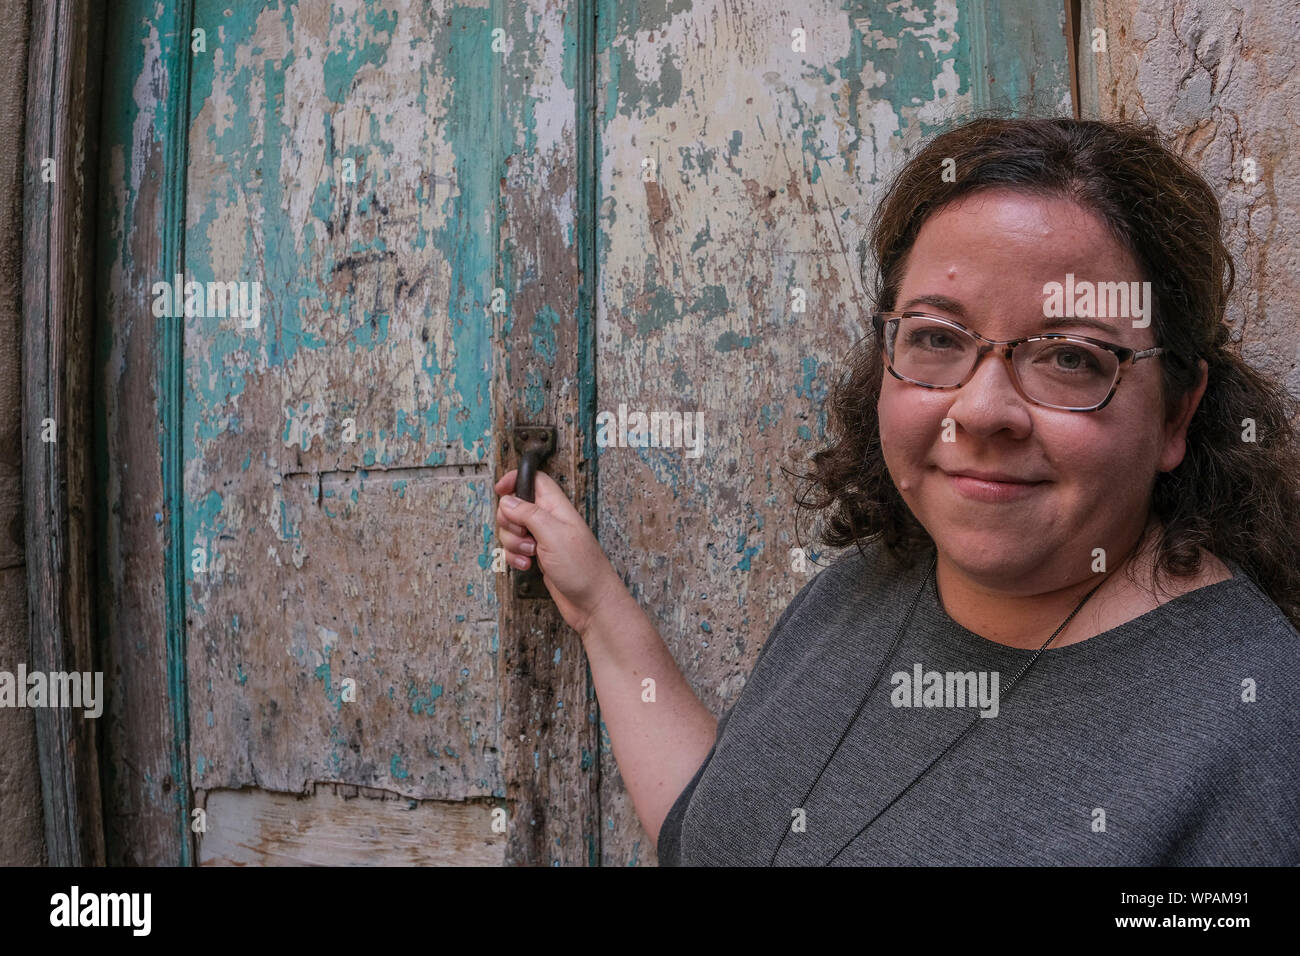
370, 558
651, 218
58, 282
144, 756
340, 825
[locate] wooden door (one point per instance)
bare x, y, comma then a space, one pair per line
307, 637
388, 189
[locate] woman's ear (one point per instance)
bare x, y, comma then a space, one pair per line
1180, 416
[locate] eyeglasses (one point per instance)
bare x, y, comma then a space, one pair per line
1073, 373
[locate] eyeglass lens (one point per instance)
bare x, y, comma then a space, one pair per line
1053, 371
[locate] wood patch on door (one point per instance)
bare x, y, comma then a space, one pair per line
342, 825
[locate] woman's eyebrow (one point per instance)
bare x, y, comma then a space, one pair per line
1065, 322
955, 307
938, 301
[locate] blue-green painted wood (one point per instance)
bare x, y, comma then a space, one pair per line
768, 162
142, 603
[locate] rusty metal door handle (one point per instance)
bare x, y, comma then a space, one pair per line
535, 444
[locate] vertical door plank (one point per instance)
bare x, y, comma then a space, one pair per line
331, 558
737, 176
549, 729
146, 800
58, 283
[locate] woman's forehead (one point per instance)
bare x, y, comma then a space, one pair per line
1004, 228
1039, 260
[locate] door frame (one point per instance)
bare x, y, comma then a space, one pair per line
62, 112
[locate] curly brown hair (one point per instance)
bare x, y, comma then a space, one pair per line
1231, 497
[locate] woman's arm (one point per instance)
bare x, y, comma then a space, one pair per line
659, 744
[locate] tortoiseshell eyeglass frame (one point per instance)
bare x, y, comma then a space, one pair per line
1124, 354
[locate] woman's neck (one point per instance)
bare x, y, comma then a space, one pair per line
1026, 621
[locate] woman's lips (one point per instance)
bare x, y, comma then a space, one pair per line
995, 492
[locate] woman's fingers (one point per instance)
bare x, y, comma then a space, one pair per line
506, 483
507, 525
517, 543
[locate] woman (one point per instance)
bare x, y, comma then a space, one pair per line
1066, 634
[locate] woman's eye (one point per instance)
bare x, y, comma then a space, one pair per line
931, 339
1066, 359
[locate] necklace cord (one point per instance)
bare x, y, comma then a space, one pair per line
871, 689
907, 618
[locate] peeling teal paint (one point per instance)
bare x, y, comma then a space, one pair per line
702, 238
424, 704
768, 415
480, 137
534, 394
397, 769
322, 673
372, 331
730, 341
743, 564
630, 23
813, 389
346, 57
203, 524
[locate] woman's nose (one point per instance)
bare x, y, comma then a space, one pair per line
989, 402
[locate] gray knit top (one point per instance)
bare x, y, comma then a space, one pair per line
1173, 739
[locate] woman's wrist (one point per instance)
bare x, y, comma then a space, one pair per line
612, 611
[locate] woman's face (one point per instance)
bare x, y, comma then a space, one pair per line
983, 262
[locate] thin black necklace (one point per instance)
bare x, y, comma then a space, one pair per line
880, 670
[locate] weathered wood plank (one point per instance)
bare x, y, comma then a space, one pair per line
549, 730
62, 115
22, 835
737, 176
339, 825
328, 555
145, 792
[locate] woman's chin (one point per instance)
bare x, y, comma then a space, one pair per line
991, 556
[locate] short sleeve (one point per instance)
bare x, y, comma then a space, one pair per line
669, 847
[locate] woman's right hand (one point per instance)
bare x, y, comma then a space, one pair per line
574, 568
